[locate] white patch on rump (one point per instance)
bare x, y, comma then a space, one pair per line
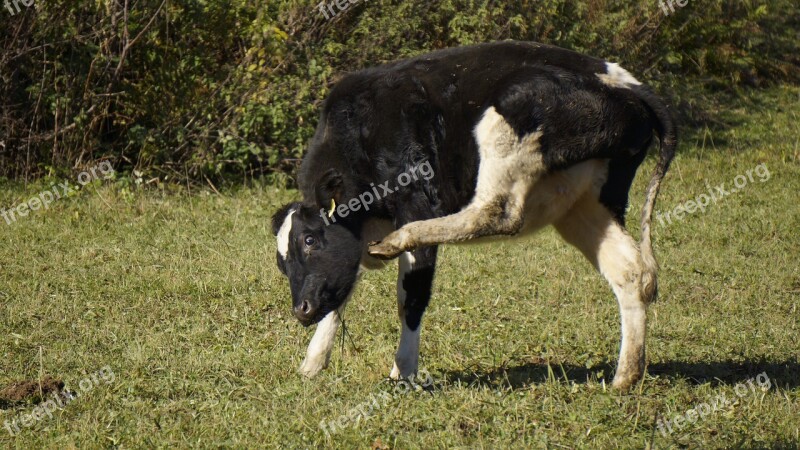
509, 165
617, 77
283, 235
514, 193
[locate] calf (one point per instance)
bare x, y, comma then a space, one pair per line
465, 143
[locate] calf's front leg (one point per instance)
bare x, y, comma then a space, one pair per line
319, 350
414, 283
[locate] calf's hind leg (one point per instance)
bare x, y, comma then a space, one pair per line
591, 228
474, 221
510, 165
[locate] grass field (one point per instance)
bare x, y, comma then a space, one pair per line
172, 306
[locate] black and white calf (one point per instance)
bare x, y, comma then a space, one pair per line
519, 135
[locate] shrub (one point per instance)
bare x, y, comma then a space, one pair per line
208, 89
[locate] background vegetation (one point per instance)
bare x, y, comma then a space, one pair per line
230, 89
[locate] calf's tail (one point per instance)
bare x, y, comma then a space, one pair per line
667, 131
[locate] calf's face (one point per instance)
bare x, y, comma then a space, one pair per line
321, 260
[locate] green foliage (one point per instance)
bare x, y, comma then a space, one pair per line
192, 89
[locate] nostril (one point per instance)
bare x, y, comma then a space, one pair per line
305, 307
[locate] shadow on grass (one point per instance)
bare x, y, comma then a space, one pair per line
785, 374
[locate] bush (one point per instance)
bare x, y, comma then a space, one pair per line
227, 88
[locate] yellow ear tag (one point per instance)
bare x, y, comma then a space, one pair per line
333, 208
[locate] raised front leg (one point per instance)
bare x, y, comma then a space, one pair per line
414, 283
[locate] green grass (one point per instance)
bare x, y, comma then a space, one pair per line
179, 294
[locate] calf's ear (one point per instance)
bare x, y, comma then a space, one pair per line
329, 187
280, 216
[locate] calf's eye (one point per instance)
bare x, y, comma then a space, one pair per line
309, 240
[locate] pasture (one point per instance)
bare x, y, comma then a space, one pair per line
175, 289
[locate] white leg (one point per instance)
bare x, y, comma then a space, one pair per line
406, 359
319, 350
590, 227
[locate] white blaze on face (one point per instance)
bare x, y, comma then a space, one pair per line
617, 77
283, 235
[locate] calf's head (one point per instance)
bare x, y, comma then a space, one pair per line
319, 257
